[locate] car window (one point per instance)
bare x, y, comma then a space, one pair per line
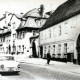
6, 58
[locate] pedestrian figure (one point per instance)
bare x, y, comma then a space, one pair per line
48, 58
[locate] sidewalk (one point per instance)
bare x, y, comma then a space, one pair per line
68, 67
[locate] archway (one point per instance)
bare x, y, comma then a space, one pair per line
34, 54
78, 48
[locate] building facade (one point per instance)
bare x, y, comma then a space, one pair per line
8, 24
63, 33
5, 42
27, 32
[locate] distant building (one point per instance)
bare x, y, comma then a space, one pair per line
9, 22
5, 41
63, 33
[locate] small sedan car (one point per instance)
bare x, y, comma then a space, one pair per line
8, 64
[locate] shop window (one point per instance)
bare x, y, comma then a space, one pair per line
53, 55
59, 50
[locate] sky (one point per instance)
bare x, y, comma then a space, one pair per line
23, 6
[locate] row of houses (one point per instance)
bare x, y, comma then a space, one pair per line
19, 33
35, 35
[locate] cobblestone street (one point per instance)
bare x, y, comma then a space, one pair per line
37, 69
49, 74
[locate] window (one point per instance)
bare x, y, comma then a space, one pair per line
45, 49
59, 48
3, 39
53, 49
13, 25
23, 34
59, 30
23, 47
49, 33
14, 47
49, 49
14, 36
65, 48
19, 35
53, 32
34, 33
19, 48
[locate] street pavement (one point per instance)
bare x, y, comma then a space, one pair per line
66, 67
37, 69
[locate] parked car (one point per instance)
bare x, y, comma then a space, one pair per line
8, 64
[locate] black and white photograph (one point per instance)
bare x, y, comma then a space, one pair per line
39, 39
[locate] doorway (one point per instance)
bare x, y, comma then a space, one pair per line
41, 51
78, 49
34, 54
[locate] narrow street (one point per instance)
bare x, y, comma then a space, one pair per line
33, 72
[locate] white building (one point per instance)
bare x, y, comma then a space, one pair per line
63, 33
29, 27
5, 35
8, 24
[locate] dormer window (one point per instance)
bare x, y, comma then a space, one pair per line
9, 24
34, 33
13, 24
23, 34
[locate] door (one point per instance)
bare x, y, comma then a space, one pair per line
41, 51
34, 49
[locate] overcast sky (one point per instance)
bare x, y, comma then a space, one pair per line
19, 6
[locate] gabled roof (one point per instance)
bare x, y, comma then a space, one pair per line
34, 13
65, 11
